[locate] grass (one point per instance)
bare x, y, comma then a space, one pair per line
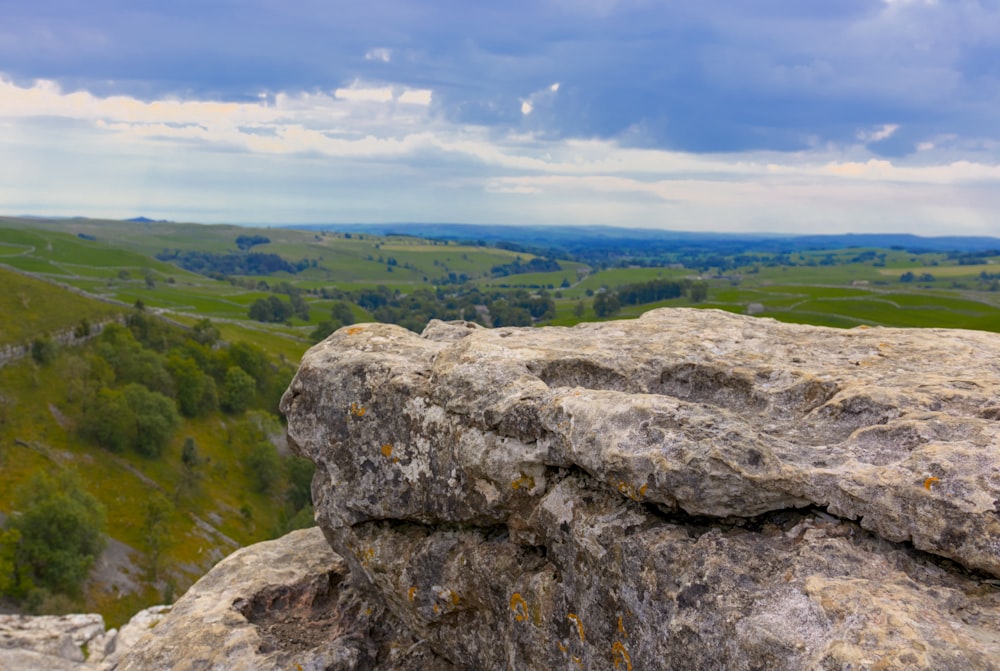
32, 307
37, 434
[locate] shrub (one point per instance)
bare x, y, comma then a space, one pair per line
61, 530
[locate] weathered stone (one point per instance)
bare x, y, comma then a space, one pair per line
112, 647
61, 636
281, 604
689, 490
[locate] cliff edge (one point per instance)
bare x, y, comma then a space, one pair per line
688, 490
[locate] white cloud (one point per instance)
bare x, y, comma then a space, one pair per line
380, 54
313, 152
416, 97
542, 97
359, 93
880, 133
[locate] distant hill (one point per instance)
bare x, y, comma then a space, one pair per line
575, 239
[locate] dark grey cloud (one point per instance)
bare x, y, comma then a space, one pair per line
731, 75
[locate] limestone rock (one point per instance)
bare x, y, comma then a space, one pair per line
57, 636
282, 604
689, 490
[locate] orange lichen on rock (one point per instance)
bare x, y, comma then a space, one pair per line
579, 625
619, 654
519, 606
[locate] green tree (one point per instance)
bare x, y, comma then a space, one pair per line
156, 511
195, 391
238, 390
342, 314
263, 466
61, 529
205, 332
43, 350
300, 474
698, 292
322, 331
606, 304
9, 540
155, 418
108, 421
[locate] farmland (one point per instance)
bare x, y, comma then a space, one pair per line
69, 275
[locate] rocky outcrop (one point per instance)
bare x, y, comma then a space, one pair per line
689, 490
76, 642
283, 604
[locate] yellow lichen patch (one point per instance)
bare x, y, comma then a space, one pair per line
411, 594
387, 450
355, 330
525, 481
368, 554
562, 648
519, 606
358, 410
631, 491
619, 654
573, 617
929, 482
579, 662
621, 627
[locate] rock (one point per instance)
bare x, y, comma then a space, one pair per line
62, 636
113, 646
688, 490
29, 660
282, 604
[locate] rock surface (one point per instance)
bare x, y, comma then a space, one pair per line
689, 490
282, 604
76, 642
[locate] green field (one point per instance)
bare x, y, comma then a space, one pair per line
40, 260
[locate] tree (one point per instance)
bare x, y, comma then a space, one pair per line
341, 313
155, 418
322, 331
9, 540
263, 466
300, 474
61, 530
107, 420
205, 332
606, 304
698, 292
271, 309
195, 391
43, 350
156, 510
238, 390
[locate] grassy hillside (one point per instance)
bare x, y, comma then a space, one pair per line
32, 308
209, 496
213, 502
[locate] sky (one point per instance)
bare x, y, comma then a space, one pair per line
726, 115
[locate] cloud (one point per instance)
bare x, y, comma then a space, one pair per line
778, 112
383, 55
543, 97
879, 134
